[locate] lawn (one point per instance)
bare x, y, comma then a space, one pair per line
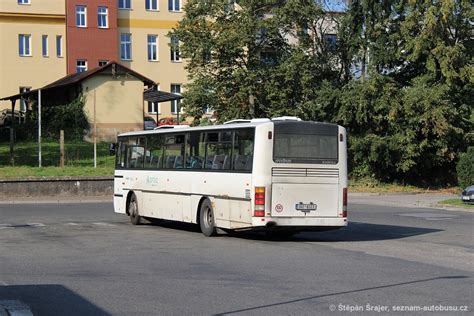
457, 202
79, 160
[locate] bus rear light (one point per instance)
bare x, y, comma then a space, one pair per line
259, 202
344, 202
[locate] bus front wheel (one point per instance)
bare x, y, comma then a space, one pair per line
206, 219
135, 218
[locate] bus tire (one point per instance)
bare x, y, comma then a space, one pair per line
206, 219
135, 218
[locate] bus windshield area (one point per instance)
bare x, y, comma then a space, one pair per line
305, 142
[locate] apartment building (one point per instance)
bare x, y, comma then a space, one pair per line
32, 37
43, 40
143, 26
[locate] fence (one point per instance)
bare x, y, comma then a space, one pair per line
75, 153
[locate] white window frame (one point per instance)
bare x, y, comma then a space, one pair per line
44, 46
59, 45
22, 2
175, 54
102, 12
81, 16
124, 44
155, 106
175, 103
24, 45
152, 46
81, 64
125, 4
151, 5
172, 5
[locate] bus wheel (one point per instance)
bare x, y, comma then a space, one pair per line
135, 219
206, 219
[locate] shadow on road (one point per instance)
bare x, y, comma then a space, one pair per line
50, 300
341, 293
355, 231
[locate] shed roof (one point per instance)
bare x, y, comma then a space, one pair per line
113, 68
155, 95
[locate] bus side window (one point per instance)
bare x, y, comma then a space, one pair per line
120, 152
194, 152
174, 151
243, 149
154, 152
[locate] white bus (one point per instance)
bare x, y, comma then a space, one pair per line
283, 175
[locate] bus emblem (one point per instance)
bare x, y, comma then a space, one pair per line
279, 208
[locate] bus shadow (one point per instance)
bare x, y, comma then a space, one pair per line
47, 299
355, 231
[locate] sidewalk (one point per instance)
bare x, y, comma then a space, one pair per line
411, 200
57, 199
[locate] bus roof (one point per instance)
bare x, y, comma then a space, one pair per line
230, 125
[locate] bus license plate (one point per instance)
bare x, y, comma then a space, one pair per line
306, 207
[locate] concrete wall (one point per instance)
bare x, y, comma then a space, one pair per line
60, 187
118, 105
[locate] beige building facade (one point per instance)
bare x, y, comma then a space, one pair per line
145, 31
29, 35
31, 31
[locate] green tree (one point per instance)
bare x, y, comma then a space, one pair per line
255, 59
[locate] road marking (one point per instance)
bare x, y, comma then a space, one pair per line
430, 216
71, 224
103, 224
3, 283
3, 226
15, 308
35, 224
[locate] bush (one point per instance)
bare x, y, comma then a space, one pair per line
465, 168
68, 117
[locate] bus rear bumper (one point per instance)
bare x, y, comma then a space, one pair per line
314, 222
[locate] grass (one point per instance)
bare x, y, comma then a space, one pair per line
456, 202
368, 185
78, 160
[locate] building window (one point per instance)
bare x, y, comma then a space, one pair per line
59, 46
126, 46
176, 88
174, 48
81, 16
23, 1
331, 41
151, 5
125, 4
24, 44
81, 66
152, 47
103, 17
153, 107
44, 45
103, 62
174, 5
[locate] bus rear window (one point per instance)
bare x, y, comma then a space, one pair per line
305, 142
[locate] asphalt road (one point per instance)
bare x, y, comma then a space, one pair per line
82, 259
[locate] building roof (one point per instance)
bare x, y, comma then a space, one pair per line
113, 68
155, 95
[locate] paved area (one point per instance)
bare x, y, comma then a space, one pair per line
82, 259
